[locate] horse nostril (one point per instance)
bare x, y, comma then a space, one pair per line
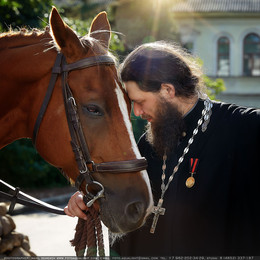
135, 211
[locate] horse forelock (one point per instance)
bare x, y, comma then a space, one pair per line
97, 48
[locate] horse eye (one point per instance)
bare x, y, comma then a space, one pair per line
93, 110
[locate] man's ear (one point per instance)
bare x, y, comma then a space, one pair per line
167, 91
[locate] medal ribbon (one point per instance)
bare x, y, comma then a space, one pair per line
193, 165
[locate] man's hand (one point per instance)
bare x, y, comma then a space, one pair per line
76, 206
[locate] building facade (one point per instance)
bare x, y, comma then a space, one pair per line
225, 34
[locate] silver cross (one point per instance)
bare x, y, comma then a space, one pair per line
157, 211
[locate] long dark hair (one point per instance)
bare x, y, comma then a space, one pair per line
152, 64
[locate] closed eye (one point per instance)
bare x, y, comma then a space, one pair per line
93, 110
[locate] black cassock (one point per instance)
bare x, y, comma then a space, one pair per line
220, 214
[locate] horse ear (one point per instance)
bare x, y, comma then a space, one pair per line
100, 29
65, 38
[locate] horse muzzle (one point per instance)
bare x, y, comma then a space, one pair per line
123, 213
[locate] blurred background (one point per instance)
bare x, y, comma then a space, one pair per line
223, 34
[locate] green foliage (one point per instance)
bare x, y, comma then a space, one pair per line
22, 166
214, 87
138, 126
79, 9
32, 13
116, 44
82, 28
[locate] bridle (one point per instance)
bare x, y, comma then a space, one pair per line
86, 165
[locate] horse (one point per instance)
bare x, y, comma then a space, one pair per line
63, 92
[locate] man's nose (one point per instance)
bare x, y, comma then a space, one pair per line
137, 109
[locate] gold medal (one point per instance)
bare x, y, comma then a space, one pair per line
190, 182
193, 166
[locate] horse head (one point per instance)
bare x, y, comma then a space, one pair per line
102, 112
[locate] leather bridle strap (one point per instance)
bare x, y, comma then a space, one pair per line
78, 142
47, 98
134, 165
85, 63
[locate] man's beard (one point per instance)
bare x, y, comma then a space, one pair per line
166, 129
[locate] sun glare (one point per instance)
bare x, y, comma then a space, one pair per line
157, 4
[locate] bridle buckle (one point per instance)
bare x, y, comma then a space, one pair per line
99, 194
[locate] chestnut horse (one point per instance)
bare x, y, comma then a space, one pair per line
101, 111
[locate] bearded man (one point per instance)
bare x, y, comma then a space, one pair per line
203, 161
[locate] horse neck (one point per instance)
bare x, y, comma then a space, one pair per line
25, 69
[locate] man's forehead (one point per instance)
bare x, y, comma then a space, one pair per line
131, 87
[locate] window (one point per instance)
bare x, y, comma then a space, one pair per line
223, 65
251, 60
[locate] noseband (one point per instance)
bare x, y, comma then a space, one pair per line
79, 145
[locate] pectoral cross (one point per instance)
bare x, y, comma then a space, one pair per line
157, 211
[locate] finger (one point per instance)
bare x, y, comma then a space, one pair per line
67, 212
80, 202
76, 211
76, 205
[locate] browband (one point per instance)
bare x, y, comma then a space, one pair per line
84, 63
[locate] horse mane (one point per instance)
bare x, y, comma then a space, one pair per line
24, 37
14, 39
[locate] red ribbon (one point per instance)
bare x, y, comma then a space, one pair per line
193, 164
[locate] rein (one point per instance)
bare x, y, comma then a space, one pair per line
88, 232
27, 200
